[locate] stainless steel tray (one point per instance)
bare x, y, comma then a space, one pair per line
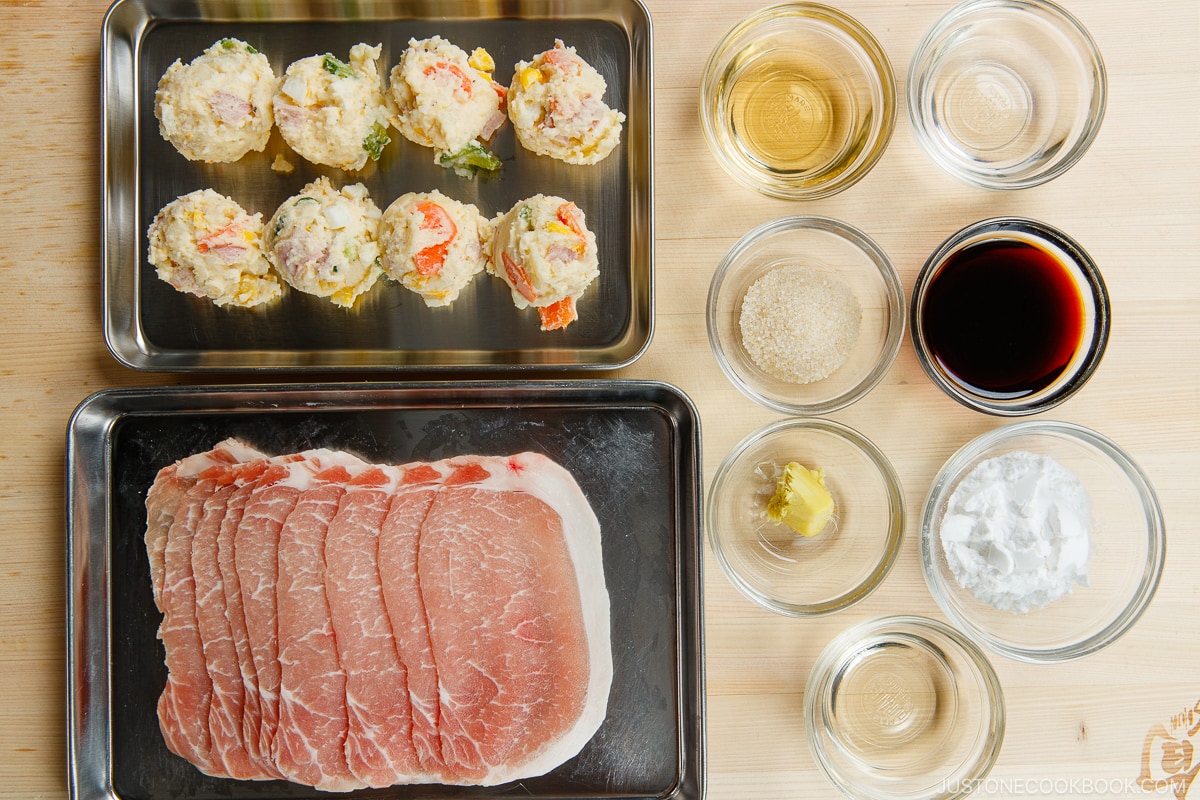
634, 448
150, 326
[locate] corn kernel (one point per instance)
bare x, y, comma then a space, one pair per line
482, 60
530, 76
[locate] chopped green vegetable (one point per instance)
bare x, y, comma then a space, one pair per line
279, 223
526, 214
231, 44
472, 159
338, 68
376, 140
300, 200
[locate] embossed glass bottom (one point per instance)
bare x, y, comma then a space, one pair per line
903, 707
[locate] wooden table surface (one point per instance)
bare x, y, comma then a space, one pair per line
1079, 729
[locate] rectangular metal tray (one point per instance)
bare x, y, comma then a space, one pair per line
150, 326
634, 448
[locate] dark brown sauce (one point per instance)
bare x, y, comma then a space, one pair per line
1003, 318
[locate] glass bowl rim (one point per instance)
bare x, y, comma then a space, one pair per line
946, 479
883, 80
819, 682
897, 518
1101, 324
857, 239
1091, 54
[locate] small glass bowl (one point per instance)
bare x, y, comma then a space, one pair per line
798, 101
1126, 538
837, 250
778, 568
1006, 94
1072, 266
903, 707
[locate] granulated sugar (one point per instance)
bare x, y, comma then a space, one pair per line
799, 324
1015, 531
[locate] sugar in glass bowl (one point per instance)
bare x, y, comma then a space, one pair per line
837, 252
798, 101
903, 707
778, 568
1006, 94
1125, 545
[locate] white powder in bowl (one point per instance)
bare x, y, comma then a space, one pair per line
1015, 531
799, 324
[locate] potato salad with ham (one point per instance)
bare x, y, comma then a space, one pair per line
333, 112
324, 241
447, 100
433, 245
219, 107
544, 251
556, 104
205, 244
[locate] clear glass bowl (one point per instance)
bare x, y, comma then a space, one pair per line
798, 101
780, 569
1075, 266
834, 249
1127, 545
903, 707
1006, 94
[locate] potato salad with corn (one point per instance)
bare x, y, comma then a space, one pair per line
556, 104
205, 244
543, 250
447, 100
324, 241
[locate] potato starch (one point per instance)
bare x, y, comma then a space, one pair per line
1015, 531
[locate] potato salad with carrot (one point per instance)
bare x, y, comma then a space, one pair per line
543, 250
433, 245
205, 244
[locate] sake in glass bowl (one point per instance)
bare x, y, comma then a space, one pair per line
903, 707
1006, 94
836, 252
778, 568
1125, 539
798, 101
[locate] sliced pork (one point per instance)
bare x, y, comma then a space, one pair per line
344, 625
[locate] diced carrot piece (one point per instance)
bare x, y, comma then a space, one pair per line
430, 260
568, 215
558, 315
519, 278
453, 69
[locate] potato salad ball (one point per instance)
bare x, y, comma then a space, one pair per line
218, 107
556, 104
333, 112
446, 99
433, 245
544, 251
324, 241
205, 244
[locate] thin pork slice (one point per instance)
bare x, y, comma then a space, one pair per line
247, 480
183, 706
310, 742
228, 754
164, 495
256, 546
511, 573
379, 745
397, 559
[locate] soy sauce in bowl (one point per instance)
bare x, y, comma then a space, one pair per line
1010, 316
